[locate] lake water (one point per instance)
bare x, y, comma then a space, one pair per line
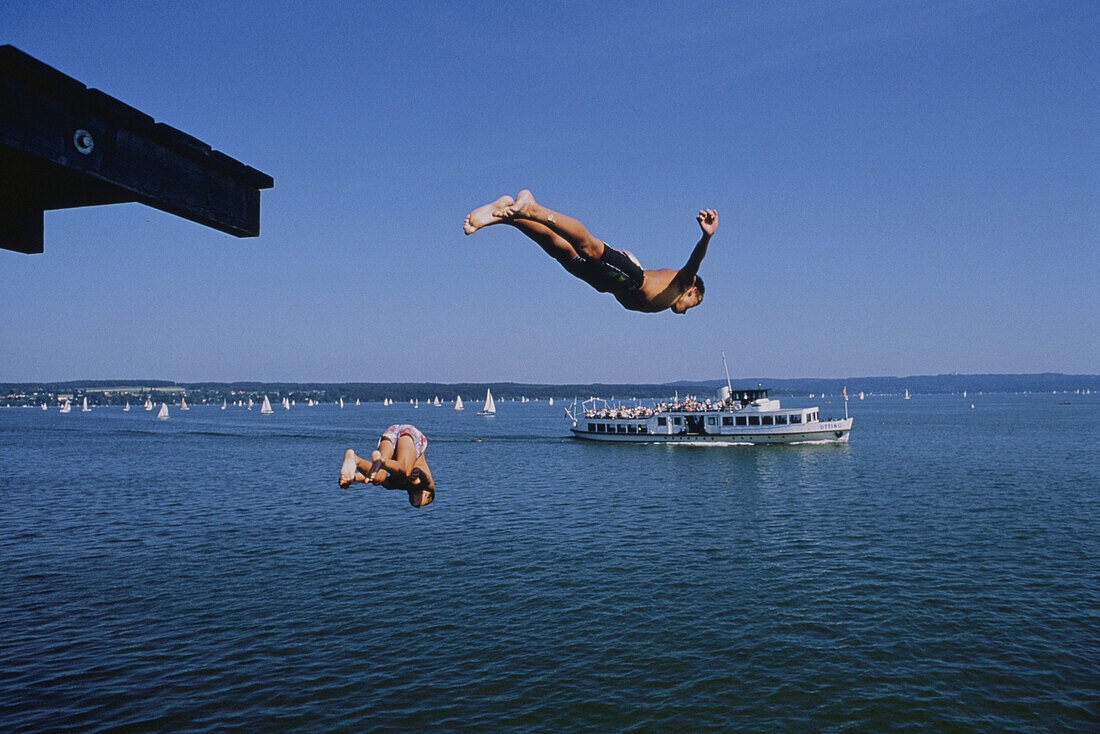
940, 572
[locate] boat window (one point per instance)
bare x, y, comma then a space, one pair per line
796, 418
662, 421
754, 420
599, 428
631, 428
781, 420
727, 420
621, 428
711, 420
591, 427
742, 420
767, 420
643, 429
677, 421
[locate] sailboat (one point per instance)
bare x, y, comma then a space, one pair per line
183, 404
126, 409
551, 403
437, 403
458, 403
250, 402
85, 409
44, 407
148, 404
964, 393
265, 409
65, 408
223, 403
357, 401
906, 393
861, 395
163, 414
490, 407
286, 403
341, 402
416, 403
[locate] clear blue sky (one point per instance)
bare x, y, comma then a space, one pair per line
903, 188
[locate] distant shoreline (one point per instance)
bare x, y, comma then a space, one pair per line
119, 391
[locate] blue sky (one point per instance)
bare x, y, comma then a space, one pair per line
903, 188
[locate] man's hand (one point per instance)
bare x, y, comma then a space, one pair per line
708, 221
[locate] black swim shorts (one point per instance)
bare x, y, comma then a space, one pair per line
617, 271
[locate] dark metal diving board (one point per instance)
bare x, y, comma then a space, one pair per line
64, 145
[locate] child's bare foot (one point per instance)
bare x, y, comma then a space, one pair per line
523, 207
348, 468
485, 215
376, 474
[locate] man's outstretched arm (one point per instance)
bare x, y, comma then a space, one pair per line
708, 222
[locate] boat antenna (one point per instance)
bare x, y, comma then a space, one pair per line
726, 367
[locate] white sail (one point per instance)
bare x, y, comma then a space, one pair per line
163, 414
286, 403
490, 407
223, 403
148, 404
124, 410
265, 409
458, 403
341, 402
85, 409
551, 401
250, 402
183, 404
44, 407
906, 393
416, 403
357, 401
66, 407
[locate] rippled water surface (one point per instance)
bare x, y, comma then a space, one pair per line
940, 572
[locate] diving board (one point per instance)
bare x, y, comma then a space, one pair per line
64, 145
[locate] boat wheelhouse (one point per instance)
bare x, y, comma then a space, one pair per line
736, 417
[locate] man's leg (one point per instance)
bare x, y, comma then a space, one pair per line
526, 211
561, 236
550, 241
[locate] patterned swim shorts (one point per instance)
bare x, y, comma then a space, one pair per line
406, 429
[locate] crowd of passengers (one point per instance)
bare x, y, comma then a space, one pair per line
645, 411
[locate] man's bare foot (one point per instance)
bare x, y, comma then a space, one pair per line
523, 207
485, 215
348, 468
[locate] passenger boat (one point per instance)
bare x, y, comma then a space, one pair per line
736, 417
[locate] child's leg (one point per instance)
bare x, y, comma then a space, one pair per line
401, 465
377, 474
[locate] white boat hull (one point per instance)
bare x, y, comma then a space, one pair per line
837, 431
